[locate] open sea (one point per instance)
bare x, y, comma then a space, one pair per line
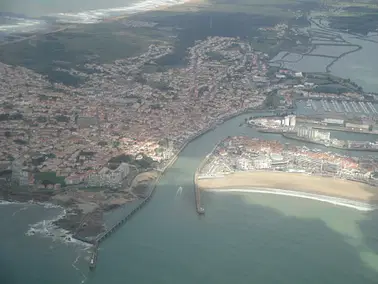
27, 16
243, 238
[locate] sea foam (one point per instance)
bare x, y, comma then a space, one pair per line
361, 206
47, 228
21, 25
95, 16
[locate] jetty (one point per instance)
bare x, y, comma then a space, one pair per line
199, 208
93, 260
197, 193
116, 226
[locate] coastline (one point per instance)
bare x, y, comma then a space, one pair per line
358, 205
302, 183
100, 15
68, 209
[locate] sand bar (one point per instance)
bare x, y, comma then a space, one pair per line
294, 181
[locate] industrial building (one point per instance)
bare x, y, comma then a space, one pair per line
334, 121
289, 121
313, 134
357, 126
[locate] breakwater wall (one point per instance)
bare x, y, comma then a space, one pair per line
161, 172
114, 228
197, 193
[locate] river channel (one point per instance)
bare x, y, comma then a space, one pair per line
243, 238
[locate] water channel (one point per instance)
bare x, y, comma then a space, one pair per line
243, 238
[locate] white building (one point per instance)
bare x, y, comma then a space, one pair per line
287, 121
262, 163
303, 131
292, 120
107, 177
244, 164
313, 134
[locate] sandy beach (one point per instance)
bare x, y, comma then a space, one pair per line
294, 181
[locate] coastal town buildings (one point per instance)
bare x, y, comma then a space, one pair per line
114, 111
109, 178
251, 154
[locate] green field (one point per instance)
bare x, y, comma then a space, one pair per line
179, 25
72, 48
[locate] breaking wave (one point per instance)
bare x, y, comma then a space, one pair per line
47, 228
95, 16
361, 206
20, 25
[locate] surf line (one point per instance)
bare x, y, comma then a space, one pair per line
361, 206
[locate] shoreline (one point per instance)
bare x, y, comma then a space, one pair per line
350, 203
63, 25
293, 182
154, 184
47, 228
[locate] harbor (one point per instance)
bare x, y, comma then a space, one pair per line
337, 106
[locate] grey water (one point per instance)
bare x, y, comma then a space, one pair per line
38, 8
243, 238
360, 66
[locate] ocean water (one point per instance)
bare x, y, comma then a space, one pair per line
243, 238
37, 258
25, 16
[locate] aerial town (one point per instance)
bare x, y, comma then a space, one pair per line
133, 116
74, 132
252, 154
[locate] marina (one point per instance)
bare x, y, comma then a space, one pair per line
319, 106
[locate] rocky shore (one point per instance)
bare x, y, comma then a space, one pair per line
84, 209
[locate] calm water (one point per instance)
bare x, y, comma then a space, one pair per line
243, 238
360, 66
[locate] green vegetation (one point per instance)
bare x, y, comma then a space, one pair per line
121, 159
272, 100
160, 85
144, 163
49, 178
72, 48
358, 16
214, 55
20, 142
62, 118
331, 89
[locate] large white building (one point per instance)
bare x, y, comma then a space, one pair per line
19, 175
262, 163
289, 121
313, 134
244, 164
107, 177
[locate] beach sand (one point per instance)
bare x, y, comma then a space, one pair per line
294, 181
